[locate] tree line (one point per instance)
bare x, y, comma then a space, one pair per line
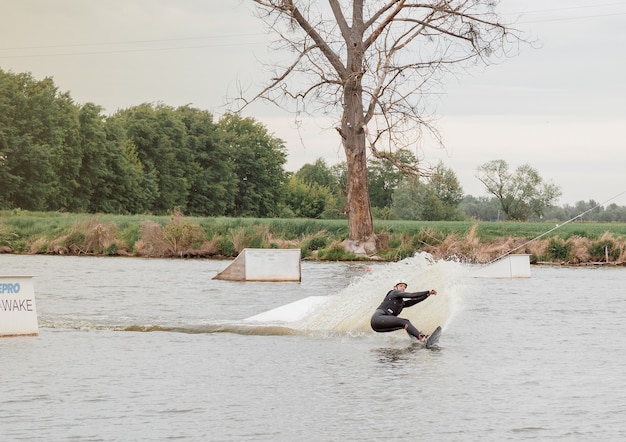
521, 195
57, 155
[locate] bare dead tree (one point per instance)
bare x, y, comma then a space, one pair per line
371, 64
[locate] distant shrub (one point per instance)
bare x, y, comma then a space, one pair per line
558, 250
315, 243
99, 236
75, 242
336, 253
111, 250
226, 247
404, 252
428, 237
598, 251
580, 233
20, 245
238, 239
394, 242
260, 236
382, 241
152, 242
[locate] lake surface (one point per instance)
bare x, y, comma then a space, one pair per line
133, 349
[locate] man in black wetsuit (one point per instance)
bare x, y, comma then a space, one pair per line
385, 318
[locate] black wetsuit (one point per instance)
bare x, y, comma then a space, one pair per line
385, 318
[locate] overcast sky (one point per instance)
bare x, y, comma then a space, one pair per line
559, 106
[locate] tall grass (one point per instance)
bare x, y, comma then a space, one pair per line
179, 236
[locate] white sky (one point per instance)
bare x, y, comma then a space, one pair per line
560, 107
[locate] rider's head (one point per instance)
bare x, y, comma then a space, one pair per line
400, 286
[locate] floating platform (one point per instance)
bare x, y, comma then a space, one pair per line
264, 265
511, 266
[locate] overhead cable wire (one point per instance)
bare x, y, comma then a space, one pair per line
258, 41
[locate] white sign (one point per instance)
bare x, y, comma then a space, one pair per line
18, 314
511, 266
272, 264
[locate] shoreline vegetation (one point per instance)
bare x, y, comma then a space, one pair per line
179, 236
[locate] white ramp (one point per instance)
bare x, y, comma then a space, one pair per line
290, 312
511, 266
264, 265
18, 314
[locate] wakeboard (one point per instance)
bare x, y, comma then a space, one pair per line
433, 338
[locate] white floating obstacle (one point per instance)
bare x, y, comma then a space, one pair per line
264, 265
511, 266
18, 314
290, 312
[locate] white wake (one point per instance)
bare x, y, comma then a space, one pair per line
351, 309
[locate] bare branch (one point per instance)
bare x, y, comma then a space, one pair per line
341, 20
373, 68
332, 57
399, 5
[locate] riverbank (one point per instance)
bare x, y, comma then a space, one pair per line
178, 236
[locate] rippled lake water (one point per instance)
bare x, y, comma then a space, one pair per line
142, 350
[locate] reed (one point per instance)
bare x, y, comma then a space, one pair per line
179, 236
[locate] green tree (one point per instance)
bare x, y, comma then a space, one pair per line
258, 160
159, 135
318, 173
306, 200
63, 123
94, 171
340, 175
332, 178
521, 194
481, 208
212, 183
9, 182
447, 188
33, 131
126, 187
406, 201
383, 179
437, 199
415, 200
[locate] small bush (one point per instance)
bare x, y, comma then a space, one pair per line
428, 237
558, 250
404, 252
260, 237
75, 242
183, 236
394, 242
98, 236
382, 241
152, 242
336, 253
238, 239
111, 250
315, 243
579, 233
226, 247
20, 246
39, 246
599, 251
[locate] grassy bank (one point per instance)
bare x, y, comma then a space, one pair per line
191, 237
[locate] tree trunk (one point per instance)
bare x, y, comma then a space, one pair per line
361, 239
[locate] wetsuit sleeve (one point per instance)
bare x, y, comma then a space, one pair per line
414, 298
